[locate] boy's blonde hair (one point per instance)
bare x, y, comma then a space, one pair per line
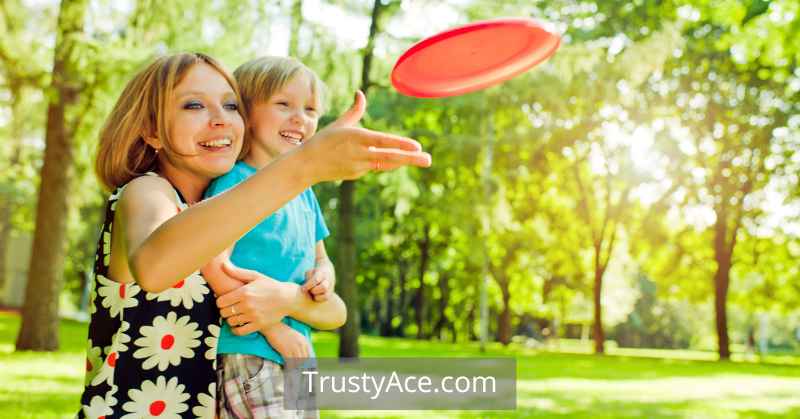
140, 112
262, 77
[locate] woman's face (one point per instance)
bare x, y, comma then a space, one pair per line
204, 124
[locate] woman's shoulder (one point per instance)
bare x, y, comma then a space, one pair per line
144, 190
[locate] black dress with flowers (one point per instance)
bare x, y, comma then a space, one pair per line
148, 354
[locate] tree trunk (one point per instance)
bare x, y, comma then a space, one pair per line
597, 331
504, 320
348, 334
444, 300
345, 265
419, 297
386, 324
722, 255
39, 330
403, 302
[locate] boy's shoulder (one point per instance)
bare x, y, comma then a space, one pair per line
236, 175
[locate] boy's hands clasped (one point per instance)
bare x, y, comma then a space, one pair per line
320, 282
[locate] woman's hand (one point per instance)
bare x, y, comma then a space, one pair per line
260, 303
344, 151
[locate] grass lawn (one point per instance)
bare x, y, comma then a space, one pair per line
635, 384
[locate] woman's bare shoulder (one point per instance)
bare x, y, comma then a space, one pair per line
147, 191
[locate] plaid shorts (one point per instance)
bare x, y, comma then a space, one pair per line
251, 387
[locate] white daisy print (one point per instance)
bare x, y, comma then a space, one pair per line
211, 342
106, 372
97, 408
107, 246
92, 299
117, 296
115, 197
121, 338
94, 360
207, 407
110, 399
187, 292
167, 341
162, 399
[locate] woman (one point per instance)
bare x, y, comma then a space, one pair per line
176, 126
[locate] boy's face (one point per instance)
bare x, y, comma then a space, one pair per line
285, 120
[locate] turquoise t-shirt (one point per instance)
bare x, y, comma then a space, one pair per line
283, 247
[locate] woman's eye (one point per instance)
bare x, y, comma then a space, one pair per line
233, 106
193, 105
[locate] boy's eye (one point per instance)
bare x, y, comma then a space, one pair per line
232, 106
193, 105
283, 103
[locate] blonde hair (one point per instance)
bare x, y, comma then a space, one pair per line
140, 112
262, 77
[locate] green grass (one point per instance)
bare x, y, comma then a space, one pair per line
632, 384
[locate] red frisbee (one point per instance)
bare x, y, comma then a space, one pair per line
472, 57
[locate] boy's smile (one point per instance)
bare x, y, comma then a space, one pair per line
292, 137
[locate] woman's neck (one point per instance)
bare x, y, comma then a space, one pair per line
189, 185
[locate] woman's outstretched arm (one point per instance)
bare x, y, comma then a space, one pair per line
162, 249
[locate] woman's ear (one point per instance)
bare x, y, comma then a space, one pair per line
153, 142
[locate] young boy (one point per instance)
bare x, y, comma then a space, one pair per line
282, 100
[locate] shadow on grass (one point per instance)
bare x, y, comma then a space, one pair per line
568, 408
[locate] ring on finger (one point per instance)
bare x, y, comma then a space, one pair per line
233, 311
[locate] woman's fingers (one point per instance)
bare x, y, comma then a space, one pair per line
390, 159
356, 151
246, 329
376, 139
238, 320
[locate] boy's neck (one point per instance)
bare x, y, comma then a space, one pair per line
258, 160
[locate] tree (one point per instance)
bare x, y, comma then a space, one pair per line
346, 262
734, 108
39, 330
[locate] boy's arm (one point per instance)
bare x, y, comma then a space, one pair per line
320, 281
289, 343
326, 315
327, 310
219, 281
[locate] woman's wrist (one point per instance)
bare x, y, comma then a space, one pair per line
292, 294
302, 162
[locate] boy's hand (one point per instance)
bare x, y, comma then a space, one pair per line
320, 282
289, 343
